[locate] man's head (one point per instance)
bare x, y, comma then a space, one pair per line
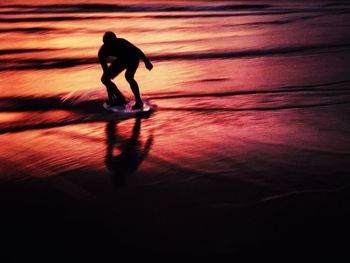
109, 38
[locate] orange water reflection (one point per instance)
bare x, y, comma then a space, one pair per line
191, 131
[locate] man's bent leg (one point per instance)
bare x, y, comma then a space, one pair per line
129, 75
112, 98
114, 94
135, 90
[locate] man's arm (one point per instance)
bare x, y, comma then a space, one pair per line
103, 59
142, 56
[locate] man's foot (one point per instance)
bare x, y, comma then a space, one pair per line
138, 106
109, 103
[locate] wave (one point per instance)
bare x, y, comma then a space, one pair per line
265, 108
115, 8
239, 13
97, 8
252, 53
275, 22
84, 101
91, 101
31, 103
269, 12
213, 15
48, 19
165, 15
337, 4
86, 106
27, 29
103, 117
78, 107
25, 50
43, 64
283, 89
213, 79
59, 63
44, 125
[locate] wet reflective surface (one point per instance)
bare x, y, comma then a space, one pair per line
248, 150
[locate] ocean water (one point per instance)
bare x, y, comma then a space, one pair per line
249, 148
253, 102
241, 88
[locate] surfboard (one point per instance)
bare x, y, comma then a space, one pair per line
148, 107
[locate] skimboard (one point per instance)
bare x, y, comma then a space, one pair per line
148, 107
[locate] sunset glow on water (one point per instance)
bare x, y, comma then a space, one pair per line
223, 72
252, 102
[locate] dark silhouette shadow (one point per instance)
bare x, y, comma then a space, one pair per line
132, 151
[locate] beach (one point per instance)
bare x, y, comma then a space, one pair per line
247, 154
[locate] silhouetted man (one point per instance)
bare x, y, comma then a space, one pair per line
127, 57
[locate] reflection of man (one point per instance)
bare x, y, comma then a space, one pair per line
127, 57
131, 151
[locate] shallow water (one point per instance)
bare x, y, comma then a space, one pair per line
240, 88
253, 102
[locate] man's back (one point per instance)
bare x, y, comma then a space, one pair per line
121, 48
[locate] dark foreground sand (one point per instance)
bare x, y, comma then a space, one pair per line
40, 222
